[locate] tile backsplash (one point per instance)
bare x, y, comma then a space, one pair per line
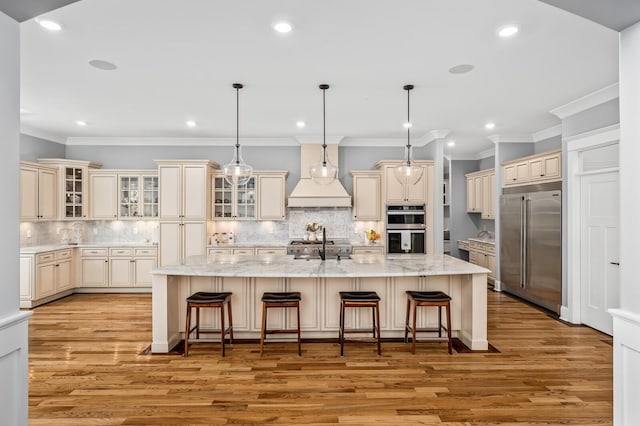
337, 221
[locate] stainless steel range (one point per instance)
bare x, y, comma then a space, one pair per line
310, 249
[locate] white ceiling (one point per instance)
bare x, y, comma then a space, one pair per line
177, 60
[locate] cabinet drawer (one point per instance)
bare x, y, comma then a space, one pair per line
146, 252
275, 250
475, 245
45, 257
63, 254
120, 251
473, 257
371, 250
490, 248
94, 252
213, 251
245, 251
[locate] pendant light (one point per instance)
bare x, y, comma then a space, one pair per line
237, 172
324, 172
407, 172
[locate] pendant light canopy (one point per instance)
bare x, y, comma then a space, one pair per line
407, 172
324, 172
237, 172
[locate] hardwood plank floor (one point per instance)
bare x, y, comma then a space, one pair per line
88, 366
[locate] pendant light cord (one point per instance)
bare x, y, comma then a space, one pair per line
237, 124
324, 127
408, 89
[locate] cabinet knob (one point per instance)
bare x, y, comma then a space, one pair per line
106, 261
542, 174
513, 179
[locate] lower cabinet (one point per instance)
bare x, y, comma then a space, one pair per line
45, 277
368, 250
483, 254
117, 267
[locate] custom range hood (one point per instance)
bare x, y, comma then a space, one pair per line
309, 193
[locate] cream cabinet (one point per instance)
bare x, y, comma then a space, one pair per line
481, 193
45, 277
103, 186
271, 195
94, 267
271, 250
117, 267
367, 250
73, 187
539, 168
213, 251
185, 206
246, 251
397, 193
483, 254
138, 194
234, 203
366, 195
38, 192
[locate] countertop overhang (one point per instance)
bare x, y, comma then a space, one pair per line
284, 266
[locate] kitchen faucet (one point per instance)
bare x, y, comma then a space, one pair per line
323, 252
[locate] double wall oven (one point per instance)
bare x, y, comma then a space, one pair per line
406, 230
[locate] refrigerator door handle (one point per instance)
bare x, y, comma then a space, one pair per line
525, 242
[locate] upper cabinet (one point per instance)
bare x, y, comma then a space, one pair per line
38, 192
103, 186
397, 193
73, 187
261, 198
138, 195
366, 195
539, 168
184, 189
481, 193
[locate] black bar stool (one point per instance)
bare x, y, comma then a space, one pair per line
360, 299
204, 299
428, 298
289, 299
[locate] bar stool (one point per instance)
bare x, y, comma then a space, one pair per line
427, 298
204, 299
360, 299
289, 299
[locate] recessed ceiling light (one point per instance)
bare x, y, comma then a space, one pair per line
300, 124
102, 65
461, 69
406, 125
81, 123
191, 123
283, 27
49, 24
490, 125
451, 144
508, 31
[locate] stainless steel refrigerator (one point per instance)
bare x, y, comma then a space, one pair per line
531, 245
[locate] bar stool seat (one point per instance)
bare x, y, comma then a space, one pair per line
289, 299
360, 299
437, 299
203, 299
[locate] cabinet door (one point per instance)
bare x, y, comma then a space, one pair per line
74, 192
142, 273
488, 196
366, 197
194, 192
418, 193
394, 189
47, 194
28, 194
536, 169
170, 243
491, 265
129, 192
94, 272
63, 276
271, 198
103, 196
509, 175
522, 171
471, 194
245, 200
170, 177
478, 195
45, 280
552, 166
150, 196
121, 272
194, 239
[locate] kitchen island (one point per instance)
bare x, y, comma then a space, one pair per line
247, 277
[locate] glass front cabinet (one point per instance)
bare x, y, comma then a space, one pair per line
234, 203
137, 196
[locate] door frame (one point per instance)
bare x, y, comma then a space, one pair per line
610, 135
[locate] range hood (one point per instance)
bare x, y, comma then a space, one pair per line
309, 193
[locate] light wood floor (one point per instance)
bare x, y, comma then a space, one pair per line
87, 367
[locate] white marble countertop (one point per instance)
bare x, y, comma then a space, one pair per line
278, 266
243, 244
52, 247
483, 240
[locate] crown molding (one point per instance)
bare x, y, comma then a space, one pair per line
41, 134
485, 154
547, 133
376, 142
433, 135
159, 141
511, 138
588, 101
317, 140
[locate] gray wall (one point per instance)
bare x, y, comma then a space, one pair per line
602, 115
511, 151
463, 224
487, 163
363, 158
548, 144
32, 148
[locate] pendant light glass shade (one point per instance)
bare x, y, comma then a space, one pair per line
237, 172
323, 172
407, 173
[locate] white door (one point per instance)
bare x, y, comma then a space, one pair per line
599, 257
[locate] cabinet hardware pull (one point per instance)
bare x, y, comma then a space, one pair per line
615, 263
